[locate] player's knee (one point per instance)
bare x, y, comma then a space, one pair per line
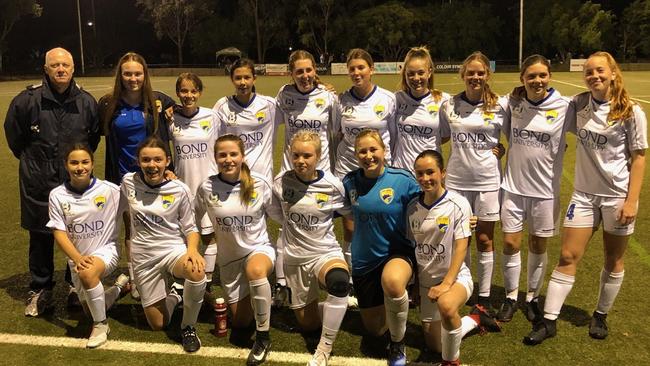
87, 278
446, 307
194, 276
337, 281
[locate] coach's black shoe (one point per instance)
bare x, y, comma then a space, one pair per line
260, 350
191, 341
486, 322
541, 330
507, 310
533, 312
598, 326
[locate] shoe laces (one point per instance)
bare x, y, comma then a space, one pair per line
189, 331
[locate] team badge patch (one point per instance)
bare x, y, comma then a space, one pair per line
321, 199
379, 110
551, 116
260, 116
443, 223
205, 125
176, 130
131, 196
433, 109
319, 103
100, 202
488, 117
387, 195
253, 198
167, 200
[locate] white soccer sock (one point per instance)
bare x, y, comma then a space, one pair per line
110, 296
485, 269
610, 284
467, 324
261, 302
334, 309
511, 267
96, 303
192, 301
170, 304
558, 289
397, 311
450, 340
131, 276
210, 257
536, 265
279, 261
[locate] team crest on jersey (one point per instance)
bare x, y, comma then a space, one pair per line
260, 116
167, 200
67, 210
379, 110
443, 223
253, 198
319, 103
288, 101
176, 130
433, 109
205, 125
232, 119
321, 199
100, 202
551, 116
347, 111
517, 110
387, 195
488, 117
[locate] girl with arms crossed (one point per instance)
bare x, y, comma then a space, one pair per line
611, 133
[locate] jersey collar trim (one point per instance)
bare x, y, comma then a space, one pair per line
141, 175
463, 96
247, 104
320, 176
69, 186
416, 98
434, 204
537, 104
306, 93
225, 181
374, 89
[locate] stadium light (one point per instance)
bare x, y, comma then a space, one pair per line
81, 41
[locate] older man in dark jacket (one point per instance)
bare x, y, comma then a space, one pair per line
42, 121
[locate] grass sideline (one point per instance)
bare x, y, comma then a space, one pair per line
629, 336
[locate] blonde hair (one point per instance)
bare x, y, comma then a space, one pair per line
422, 53
620, 102
246, 181
488, 97
307, 136
369, 132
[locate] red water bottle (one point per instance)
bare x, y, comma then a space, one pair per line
221, 318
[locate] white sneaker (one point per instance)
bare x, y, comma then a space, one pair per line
319, 358
99, 335
38, 302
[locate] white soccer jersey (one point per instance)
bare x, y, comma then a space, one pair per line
472, 165
603, 147
433, 230
312, 111
308, 214
161, 216
193, 139
418, 127
238, 227
536, 138
89, 218
255, 124
376, 111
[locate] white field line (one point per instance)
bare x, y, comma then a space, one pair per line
176, 349
583, 87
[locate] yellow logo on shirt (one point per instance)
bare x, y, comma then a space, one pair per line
551, 116
443, 223
260, 116
387, 195
319, 103
253, 198
205, 125
100, 202
433, 109
321, 199
488, 117
167, 200
379, 110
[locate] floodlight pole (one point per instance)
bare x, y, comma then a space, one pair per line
521, 30
81, 40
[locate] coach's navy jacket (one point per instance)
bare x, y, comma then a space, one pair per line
39, 128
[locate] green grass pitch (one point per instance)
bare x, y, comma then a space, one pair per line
629, 340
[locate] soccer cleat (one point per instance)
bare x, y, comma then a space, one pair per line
191, 341
38, 302
73, 300
258, 353
396, 354
455, 362
486, 322
319, 358
507, 310
533, 312
598, 326
541, 330
99, 335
